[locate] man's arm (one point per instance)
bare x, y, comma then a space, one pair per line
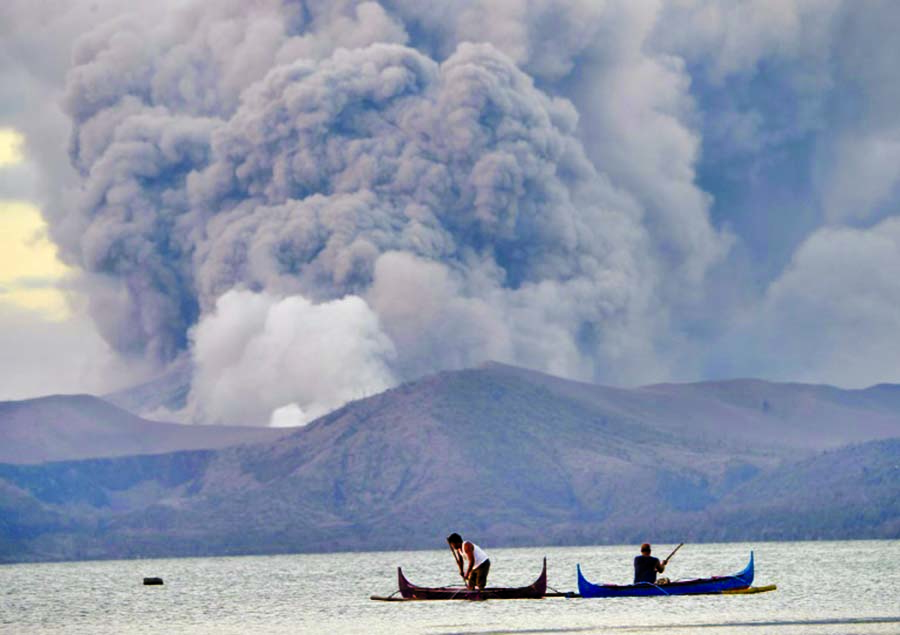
457, 557
470, 554
661, 565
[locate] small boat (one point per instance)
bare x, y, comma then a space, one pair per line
699, 586
409, 591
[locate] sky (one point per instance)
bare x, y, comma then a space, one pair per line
308, 202
29, 268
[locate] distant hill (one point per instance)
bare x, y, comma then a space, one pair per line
65, 427
750, 411
853, 491
167, 392
781, 414
507, 455
798, 415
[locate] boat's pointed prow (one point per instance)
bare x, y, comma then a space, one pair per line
540, 585
747, 574
582, 583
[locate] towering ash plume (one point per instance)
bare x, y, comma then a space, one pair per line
316, 200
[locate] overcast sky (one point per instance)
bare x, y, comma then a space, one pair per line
313, 201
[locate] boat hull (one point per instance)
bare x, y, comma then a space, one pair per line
701, 586
535, 590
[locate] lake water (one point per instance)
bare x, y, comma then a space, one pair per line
823, 587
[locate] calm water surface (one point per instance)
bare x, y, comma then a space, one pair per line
823, 587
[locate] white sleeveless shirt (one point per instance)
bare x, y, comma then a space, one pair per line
479, 554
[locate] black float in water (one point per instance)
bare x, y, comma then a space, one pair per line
152, 581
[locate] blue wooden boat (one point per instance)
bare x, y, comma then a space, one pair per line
700, 586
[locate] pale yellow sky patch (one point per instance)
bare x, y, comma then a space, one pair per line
10, 147
29, 267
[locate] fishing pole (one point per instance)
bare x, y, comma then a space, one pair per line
666, 561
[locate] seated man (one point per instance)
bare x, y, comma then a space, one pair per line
479, 564
646, 566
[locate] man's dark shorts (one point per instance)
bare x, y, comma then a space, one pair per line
478, 577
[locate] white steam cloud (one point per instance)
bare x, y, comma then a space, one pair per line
285, 360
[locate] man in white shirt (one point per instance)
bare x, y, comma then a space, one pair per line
476, 571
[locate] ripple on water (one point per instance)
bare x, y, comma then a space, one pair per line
823, 588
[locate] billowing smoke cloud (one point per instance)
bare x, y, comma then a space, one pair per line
458, 181
636, 113
259, 356
839, 300
452, 198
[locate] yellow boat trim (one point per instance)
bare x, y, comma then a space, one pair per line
753, 589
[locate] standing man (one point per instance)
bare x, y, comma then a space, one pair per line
475, 572
646, 566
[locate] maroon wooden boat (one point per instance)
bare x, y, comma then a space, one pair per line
409, 591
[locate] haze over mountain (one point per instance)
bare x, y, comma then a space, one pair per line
512, 456
741, 410
166, 392
64, 427
801, 415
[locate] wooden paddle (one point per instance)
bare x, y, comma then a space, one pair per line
666, 561
458, 559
